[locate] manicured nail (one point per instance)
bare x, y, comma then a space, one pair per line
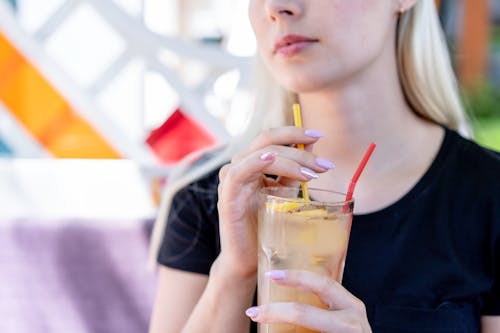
268, 156
325, 164
309, 173
276, 275
314, 133
252, 312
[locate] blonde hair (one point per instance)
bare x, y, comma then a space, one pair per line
425, 69
427, 79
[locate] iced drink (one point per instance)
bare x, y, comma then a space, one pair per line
304, 235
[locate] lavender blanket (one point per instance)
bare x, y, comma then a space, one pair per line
74, 277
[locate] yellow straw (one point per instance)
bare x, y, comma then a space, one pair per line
298, 122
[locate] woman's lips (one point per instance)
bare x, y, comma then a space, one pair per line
292, 44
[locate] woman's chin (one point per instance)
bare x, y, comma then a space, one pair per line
304, 86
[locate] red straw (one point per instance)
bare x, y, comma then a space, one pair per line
359, 170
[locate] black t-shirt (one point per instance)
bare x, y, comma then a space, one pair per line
428, 263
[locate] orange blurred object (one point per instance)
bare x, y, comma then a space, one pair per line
39, 107
474, 43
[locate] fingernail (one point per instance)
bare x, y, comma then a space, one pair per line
268, 156
314, 133
309, 173
252, 312
325, 164
276, 275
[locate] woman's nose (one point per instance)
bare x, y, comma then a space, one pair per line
282, 9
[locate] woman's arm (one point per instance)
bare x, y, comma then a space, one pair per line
176, 296
490, 324
190, 302
222, 306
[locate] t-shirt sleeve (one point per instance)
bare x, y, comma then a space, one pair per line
492, 304
190, 239
492, 299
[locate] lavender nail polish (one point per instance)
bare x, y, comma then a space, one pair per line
268, 156
252, 312
314, 133
325, 164
276, 275
309, 173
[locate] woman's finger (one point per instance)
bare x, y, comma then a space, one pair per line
332, 293
305, 158
250, 168
284, 136
290, 182
247, 170
302, 157
223, 171
306, 316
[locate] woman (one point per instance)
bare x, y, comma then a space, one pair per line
424, 253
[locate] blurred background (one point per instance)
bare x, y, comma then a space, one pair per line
99, 100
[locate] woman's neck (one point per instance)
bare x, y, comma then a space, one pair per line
371, 109
353, 117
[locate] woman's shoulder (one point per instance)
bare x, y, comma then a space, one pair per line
208, 180
470, 157
469, 171
206, 184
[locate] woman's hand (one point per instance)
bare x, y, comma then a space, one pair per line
345, 312
272, 153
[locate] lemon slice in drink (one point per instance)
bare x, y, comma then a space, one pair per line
317, 212
284, 207
297, 208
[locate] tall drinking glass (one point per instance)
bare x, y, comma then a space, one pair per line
300, 234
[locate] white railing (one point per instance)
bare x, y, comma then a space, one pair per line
140, 43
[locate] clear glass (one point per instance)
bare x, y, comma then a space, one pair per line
298, 234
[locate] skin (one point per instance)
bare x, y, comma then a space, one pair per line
348, 87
